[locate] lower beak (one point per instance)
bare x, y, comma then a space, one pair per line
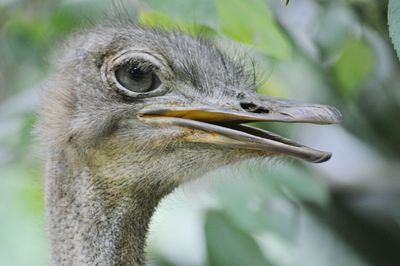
226, 127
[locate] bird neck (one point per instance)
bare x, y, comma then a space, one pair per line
95, 220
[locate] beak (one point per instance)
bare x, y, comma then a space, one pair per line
226, 126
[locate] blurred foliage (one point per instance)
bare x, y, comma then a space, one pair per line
238, 247
353, 66
337, 52
153, 19
251, 22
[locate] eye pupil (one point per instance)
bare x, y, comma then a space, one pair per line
137, 74
136, 78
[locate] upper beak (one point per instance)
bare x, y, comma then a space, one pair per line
225, 126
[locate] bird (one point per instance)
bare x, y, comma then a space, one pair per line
128, 114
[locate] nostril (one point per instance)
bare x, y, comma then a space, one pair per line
250, 107
253, 108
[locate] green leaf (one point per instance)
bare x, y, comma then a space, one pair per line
260, 202
153, 19
295, 182
251, 22
247, 203
394, 24
229, 245
190, 11
353, 66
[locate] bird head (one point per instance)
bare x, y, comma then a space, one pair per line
127, 100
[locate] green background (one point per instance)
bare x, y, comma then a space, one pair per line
343, 212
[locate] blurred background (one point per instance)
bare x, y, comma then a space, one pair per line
343, 212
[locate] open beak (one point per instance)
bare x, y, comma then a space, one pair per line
227, 127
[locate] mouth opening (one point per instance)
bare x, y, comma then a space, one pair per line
257, 132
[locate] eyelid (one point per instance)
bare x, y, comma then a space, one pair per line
143, 64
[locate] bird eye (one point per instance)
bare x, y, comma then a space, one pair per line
136, 77
137, 74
